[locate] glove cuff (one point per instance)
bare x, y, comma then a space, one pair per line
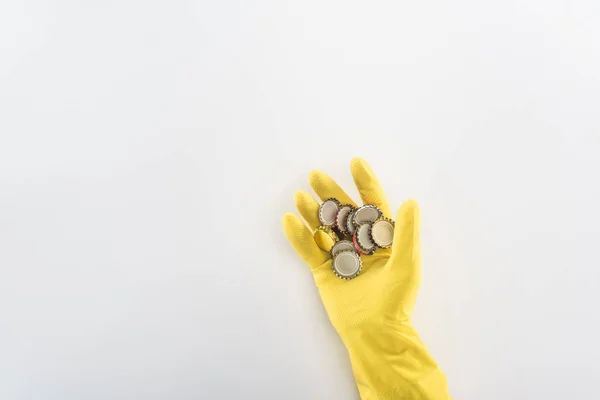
389, 361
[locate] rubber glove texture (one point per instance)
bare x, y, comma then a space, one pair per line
372, 312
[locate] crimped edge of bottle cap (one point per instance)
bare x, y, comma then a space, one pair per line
359, 244
337, 203
344, 229
330, 232
379, 220
353, 275
366, 206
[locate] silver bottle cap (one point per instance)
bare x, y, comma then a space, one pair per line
368, 213
382, 233
342, 245
347, 264
362, 239
342, 218
350, 223
328, 212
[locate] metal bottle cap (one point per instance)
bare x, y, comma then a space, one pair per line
342, 245
362, 239
328, 212
382, 232
368, 213
325, 238
347, 264
342, 218
350, 223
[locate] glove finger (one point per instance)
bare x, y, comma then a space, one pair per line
406, 247
368, 185
405, 260
308, 208
302, 240
326, 187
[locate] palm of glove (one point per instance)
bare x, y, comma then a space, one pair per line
384, 293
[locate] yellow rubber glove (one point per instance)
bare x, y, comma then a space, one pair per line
371, 312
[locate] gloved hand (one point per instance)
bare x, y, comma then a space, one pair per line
372, 312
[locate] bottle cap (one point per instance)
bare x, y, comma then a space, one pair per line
340, 246
325, 238
362, 239
368, 213
382, 232
350, 223
328, 212
342, 218
347, 264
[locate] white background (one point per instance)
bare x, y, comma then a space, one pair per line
149, 149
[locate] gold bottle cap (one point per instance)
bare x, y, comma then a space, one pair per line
368, 213
328, 212
342, 245
347, 264
382, 232
325, 238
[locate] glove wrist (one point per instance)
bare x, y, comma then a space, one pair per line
389, 361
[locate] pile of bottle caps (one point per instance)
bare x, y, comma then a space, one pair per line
347, 232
